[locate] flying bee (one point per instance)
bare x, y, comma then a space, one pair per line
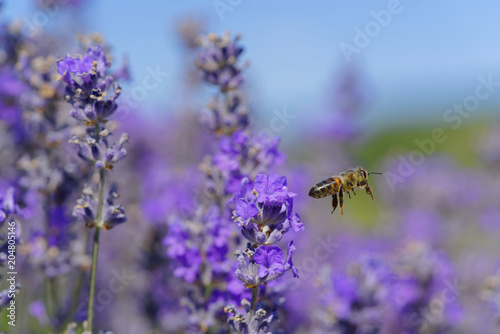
343, 183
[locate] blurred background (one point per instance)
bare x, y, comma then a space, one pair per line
427, 57
407, 88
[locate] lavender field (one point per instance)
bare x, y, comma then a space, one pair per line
185, 183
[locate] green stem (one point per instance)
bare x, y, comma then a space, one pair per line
75, 296
96, 241
92, 278
55, 296
97, 130
255, 293
48, 303
101, 197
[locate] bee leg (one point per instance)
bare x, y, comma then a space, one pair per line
341, 199
348, 193
369, 191
353, 192
334, 202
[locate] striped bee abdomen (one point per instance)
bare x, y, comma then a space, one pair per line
324, 188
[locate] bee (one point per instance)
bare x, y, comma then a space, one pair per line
343, 183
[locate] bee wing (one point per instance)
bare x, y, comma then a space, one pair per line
321, 176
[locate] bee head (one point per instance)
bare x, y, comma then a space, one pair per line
363, 172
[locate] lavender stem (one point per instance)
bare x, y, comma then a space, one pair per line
96, 240
255, 293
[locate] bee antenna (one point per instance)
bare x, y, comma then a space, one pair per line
375, 173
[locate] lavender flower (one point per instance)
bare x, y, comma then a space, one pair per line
8, 206
100, 154
264, 264
267, 215
490, 294
87, 208
244, 322
489, 149
269, 259
424, 277
87, 89
264, 215
218, 61
198, 242
90, 91
355, 302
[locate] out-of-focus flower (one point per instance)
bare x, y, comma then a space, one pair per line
355, 302
245, 322
8, 206
218, 61
422, 277
489, 145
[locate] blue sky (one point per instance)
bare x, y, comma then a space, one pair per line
427, 58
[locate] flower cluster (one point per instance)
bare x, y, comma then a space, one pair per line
8, 206
100, 154
215, 251
489, 149
218, 61
90, 91
265, 214
197, 246
240, 156
219, 65
393, 294
491, 293
424, 278
87, 87
355, 302
93, 94
87, 207
242, 322
199, 240
228, 115
35, 160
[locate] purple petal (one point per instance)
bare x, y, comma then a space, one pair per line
296, 223
245, 211
262, 271
260, 255
289, 264
274, 254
